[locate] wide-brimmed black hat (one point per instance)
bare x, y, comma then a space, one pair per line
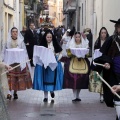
114, 21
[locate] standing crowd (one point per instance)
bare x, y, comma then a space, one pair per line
71, 48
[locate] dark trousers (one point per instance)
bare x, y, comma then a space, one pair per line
30, 53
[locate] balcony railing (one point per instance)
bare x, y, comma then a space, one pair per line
70, 6
45, 12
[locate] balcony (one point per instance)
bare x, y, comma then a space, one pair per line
45, 12
70, 6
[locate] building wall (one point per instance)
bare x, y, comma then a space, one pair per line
6, 17
9, 2
110, 11
70, 13
53, 11
59, 15
10, 16
82, 10
1, 24
21, 16
101, 13
56, 11
17, 14
64, 15
95, 14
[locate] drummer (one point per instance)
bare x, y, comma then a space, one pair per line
73, 78
17, 79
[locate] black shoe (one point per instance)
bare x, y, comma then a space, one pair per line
52, 101
101, 101
15, 96
9, 97
32, 65
117, 118
76, 100
45, 100
52, 94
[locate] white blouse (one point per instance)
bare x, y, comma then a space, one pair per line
14, 43
50, 46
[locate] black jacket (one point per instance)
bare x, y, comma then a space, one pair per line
31, 37
109, 51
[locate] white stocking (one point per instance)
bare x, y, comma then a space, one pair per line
77, 93
51, 91
117, 106
10, 92
74, 93
45, 94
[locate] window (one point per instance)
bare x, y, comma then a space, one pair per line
59, 17
54, 14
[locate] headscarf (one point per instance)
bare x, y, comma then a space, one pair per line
98, 41
55, 43
65, 35
21, 45
9, 38
84, 42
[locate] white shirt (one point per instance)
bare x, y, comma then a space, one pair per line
32, 31
102, 42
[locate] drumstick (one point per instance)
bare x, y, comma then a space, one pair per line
107, 84
98, 64
14, 67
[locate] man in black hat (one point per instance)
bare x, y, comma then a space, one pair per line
111, 71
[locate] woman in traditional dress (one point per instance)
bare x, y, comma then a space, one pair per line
17, 79
46, 79
3, 109
76, 80
65, 39
95, 82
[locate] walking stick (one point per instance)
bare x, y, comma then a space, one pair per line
14, 67
107, 84
98, 64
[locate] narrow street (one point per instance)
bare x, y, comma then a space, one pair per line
52, 40
30, 106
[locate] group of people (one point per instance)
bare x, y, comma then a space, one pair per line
77, 72
33, 36
110, 49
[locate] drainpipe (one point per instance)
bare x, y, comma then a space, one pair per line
94, 27
1, 30
21, 14
102, 14
76, 14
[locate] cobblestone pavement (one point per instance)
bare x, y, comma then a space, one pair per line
30, 106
